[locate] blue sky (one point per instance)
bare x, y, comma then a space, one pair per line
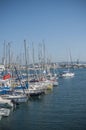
60, 23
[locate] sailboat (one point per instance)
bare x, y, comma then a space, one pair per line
14, 96
68, 73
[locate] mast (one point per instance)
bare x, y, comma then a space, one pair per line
33, 54
6, 56
43, 55
26, 63
3, 57
44, 68
9, 53
33, 58
71, 59
39, 58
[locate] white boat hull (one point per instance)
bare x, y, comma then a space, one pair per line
16, 98
4, 112
68, 74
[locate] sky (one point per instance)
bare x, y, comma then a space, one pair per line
59, 24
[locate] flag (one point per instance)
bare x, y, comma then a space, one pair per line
7, 76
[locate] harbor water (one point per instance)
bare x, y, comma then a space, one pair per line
63, 108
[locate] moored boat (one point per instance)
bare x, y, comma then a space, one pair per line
6, 103
68, 74
4, 112
16, 98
